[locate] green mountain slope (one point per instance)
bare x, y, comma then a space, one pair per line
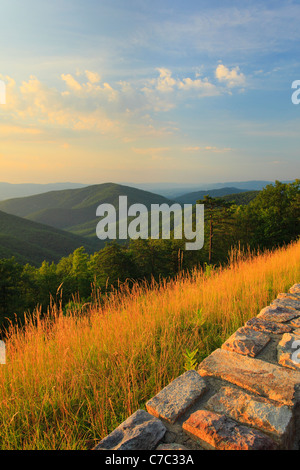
241, 199
74, 210
191, 198
31, 242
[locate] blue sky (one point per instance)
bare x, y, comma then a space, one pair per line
160, 91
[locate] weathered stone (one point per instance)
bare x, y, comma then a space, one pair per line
246, 341
277, 315
216, 431
289, 295
255, 411
289, 351
258, 324
265, 379
172, 446
295, 323
140, 431
287, 303
295, 289
172, 401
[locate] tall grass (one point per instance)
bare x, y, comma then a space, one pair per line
72, 377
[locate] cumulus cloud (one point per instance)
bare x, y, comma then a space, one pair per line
73, 110
86, 103
71, 82
203, 87
166, 91
165, 83
232, 78
93, 77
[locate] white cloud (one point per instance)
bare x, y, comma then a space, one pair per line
204, 87
232, 78
123, 109
93, 77
71, 82
165, 82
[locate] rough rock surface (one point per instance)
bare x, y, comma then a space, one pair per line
276, 314
222, 433
290, 295
287, 303
259, 324
246, 341
295, 323
276, 420
140, 431
295, 289
173, 400
265, 379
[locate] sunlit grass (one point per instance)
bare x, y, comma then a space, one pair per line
70, 379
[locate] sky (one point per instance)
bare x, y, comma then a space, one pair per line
134, 91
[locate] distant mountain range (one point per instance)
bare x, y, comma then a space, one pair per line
169, 190
173, 191
9, 190
31, 242
52, 224
74, 210
191, 198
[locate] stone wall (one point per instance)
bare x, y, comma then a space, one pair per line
244, 396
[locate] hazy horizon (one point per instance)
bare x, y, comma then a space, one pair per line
166, 92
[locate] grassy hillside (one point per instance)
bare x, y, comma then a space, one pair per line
74, 210
71, 378
191, 198
31, 242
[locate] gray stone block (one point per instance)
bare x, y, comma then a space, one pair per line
173, 400
215, 431
287, 303
265, 379
246, 341
295, 289
141, 431
276, 420
277, 314
259, 324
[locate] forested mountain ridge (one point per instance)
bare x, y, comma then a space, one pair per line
191, 198
31, 242
74, 210
241, 199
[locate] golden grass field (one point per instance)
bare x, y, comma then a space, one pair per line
71, 378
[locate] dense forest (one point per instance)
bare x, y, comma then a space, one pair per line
270, 219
